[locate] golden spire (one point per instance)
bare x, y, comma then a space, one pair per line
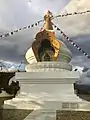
48, 23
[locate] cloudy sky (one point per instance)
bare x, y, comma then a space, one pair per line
19, 13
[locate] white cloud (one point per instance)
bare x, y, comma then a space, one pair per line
76, 5
40, 6
77, 24
82, 61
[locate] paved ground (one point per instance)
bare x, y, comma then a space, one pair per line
73, 115
13, 114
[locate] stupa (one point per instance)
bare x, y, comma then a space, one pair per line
49, 68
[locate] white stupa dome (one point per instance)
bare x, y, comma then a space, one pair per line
30, 57
65, 54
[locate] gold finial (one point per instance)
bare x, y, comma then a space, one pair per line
48, 23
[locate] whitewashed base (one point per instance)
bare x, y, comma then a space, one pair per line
50, 91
